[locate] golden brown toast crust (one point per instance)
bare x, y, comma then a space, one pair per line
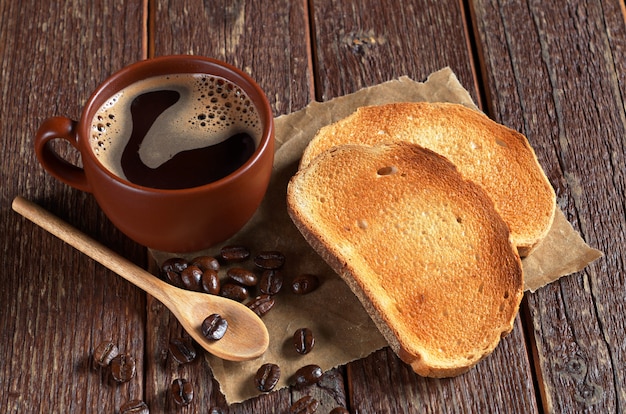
494, 156
423, 249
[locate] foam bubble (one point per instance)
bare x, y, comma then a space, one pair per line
220, 105
210, 110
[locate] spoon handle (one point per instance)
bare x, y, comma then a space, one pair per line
100, 253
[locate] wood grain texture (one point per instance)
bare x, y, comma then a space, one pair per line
363, 43
555, 72
375, 44
382, 383
57, 305
269, 41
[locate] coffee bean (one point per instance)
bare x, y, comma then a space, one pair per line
175, 264
174, 278
206, 263
270, 260
123, 368
304, 284
303, 340
234, 253
214, 326
182, 350
210, 282
339, 410
271, 282
267, 377
104, 353
262, 304
308, 375
234, 292
182, 391
242, 276
192, 278
134, 407
305, 405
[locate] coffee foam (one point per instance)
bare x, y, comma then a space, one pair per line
210, 110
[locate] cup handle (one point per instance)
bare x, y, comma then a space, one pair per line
60, 128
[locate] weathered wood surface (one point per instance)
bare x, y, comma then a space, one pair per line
55, 304
553, 70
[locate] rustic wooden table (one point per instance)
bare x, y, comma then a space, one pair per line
555, 70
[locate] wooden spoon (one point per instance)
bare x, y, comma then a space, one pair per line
246, 337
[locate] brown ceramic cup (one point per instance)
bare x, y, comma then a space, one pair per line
172, 220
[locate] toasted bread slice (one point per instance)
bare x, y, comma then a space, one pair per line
494, 156
421, 247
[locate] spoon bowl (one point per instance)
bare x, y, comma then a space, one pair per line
246, 337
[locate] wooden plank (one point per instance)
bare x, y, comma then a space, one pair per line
383, 383
555, 71
268, 40
360, 44
363, 43
57, 305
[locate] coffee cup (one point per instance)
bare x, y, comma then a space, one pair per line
176, 150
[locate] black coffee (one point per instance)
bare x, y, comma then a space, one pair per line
176, 131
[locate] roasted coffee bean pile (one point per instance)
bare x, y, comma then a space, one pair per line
227, 275
255, 284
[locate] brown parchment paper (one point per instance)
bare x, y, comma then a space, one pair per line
342, 329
